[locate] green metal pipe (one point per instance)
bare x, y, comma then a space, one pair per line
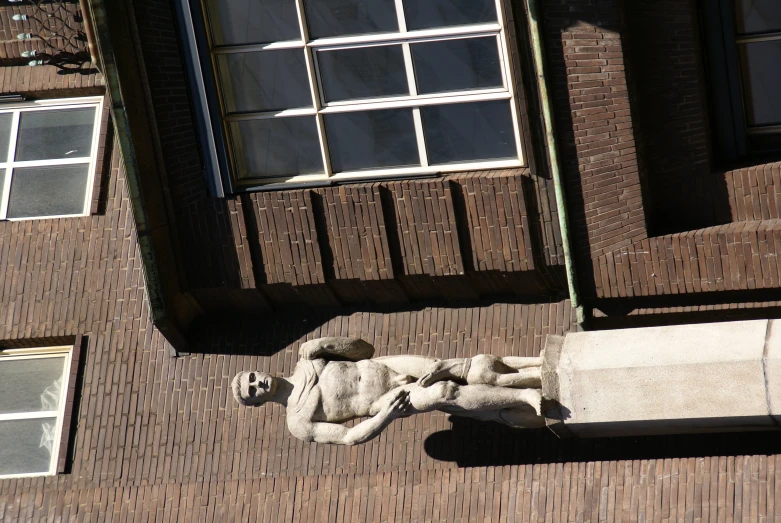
533, 14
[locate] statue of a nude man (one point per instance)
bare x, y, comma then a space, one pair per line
336, 380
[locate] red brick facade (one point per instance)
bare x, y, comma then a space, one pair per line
449, 266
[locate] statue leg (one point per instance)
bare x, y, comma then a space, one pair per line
454, 398
505, 372
520, 362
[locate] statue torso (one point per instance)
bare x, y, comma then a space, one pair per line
344, 390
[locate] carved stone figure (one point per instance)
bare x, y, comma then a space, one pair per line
337, 380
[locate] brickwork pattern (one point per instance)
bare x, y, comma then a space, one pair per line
689, 489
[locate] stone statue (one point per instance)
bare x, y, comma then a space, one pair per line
337, 380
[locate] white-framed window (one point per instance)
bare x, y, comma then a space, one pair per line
48, 151
313, 89
33, 386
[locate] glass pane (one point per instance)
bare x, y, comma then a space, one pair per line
372, 139
26, 445
30, 385
363, 73
57, 190
758, 16
456, 65
469, 131
264, 81
5, 135
277, 147
349, 17
63, 133
762, 81
422, 14
253, 21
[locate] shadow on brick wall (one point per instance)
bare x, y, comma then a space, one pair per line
666, 84
474, 444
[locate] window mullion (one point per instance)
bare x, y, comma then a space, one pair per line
400, 16
30, 415
5, 191
419, 135
413, 87
507, 75
314, 87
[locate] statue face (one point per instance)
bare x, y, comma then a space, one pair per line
253, 387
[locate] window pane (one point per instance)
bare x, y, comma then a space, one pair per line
5, 135
762, 82
277, 147
469, 131
30, 385
264, 81
758, 16
363, 73
422, 14
372, 139
253, 21
64, 133
26, 445
48, 191
455, 65
348, 17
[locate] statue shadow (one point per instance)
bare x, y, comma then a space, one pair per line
471, 443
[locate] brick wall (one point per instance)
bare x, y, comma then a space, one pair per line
161, 438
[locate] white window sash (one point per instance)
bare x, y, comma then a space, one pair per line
65, 352
17, 109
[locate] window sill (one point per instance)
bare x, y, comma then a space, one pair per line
388, 175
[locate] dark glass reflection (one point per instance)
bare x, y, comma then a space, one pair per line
469, 131
253, 21
350, 17
455, 65
277, 147
758, 16
63, 133
762, 82
423, 14
48, 191
364, 72
372, 139
5, 135
264, 81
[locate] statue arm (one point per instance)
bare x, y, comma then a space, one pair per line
360, 433
352, 349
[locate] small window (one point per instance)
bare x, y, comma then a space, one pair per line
47, 158
33, 385
313, 89
744, 39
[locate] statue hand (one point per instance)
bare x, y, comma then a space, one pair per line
436, 373
399, 405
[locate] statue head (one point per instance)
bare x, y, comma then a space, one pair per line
253, 388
